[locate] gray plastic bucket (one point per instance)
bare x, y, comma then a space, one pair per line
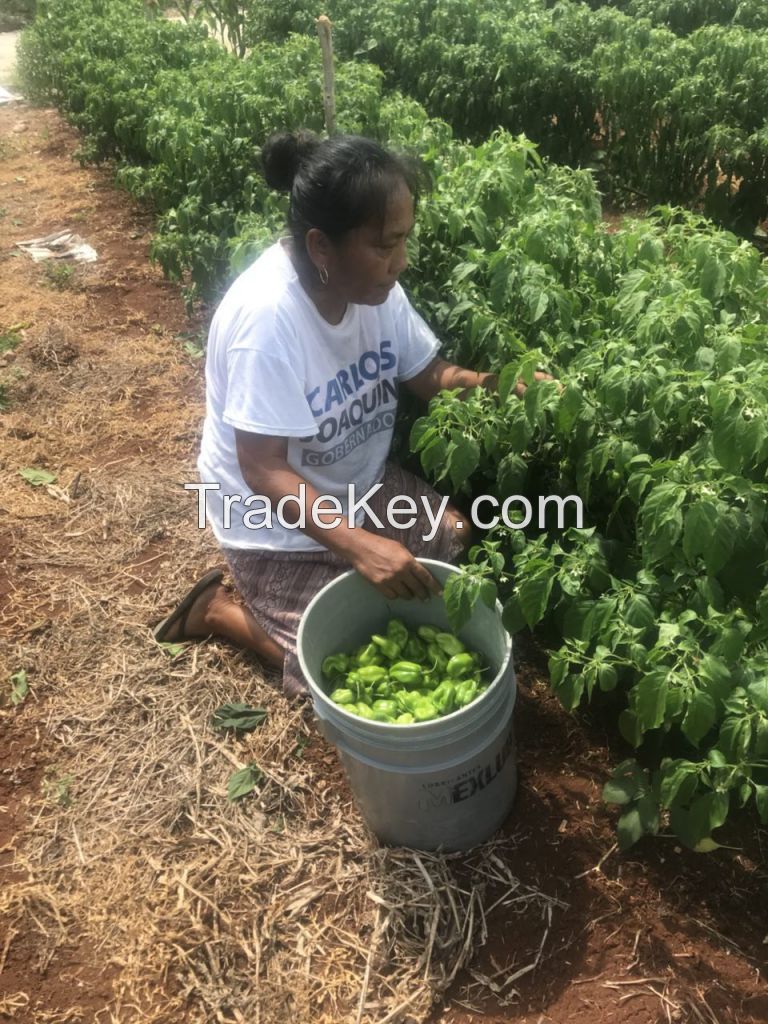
445, 784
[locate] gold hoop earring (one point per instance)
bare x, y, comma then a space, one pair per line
323, 272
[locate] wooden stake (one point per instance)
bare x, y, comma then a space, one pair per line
323, 24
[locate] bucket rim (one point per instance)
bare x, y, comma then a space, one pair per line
404, 729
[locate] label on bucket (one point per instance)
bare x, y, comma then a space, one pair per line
469, 782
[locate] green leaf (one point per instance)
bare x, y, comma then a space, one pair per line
579, 619
37, 477
761, 737
729, 644
713, 278
629, 828
512, 617
460, 594
558, 666
637, 485
571, 690
463, 459
708, 533
243, 782
715, 677
717, 758
19, 687
511, 475
174, 650
422, 431
630, 728
704, 358
534, 597
699, 717
538, 303
507, 380
677, 776
687, 827
240, 717
488, 593
761, 801
650, 695
638, 612
433, 456
519, 430
662, 521
626, 784
569, 407
648, 809
758, 693
726, 440
734, 738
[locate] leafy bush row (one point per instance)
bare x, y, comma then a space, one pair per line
683, 119
185, 120
658, 606
684, 16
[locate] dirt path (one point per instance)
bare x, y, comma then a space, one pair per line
100, 394
133, 891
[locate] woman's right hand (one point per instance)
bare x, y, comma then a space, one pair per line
393, 570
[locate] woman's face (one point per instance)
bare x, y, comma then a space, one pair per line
365, 266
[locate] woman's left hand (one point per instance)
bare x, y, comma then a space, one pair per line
490, 382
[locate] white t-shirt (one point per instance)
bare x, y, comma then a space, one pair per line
275, 366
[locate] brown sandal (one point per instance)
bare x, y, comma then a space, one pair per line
180, 612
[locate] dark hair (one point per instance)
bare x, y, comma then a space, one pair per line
336, 184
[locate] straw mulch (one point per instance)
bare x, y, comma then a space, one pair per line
279, 907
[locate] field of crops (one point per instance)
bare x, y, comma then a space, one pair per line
658, 331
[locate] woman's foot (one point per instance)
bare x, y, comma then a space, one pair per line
189, 616
210, 609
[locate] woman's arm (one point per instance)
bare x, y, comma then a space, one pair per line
384, 562
441, 375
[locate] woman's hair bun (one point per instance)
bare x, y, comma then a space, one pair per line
282, 155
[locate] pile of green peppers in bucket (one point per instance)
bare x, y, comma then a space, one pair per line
403, 676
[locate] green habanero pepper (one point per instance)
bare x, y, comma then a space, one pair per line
436, 655
363, 711
424, 710
465, 692
335, 666
371, 674
406, 699
359, 687
382, 689
449, 644
406, 672
415, 650
341, 695
444, 697
386, 710
427, 633
460, 665
369, 655
406, 718
388, 647
397, 632
430, 680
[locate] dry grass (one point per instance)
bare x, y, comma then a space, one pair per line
279, 908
